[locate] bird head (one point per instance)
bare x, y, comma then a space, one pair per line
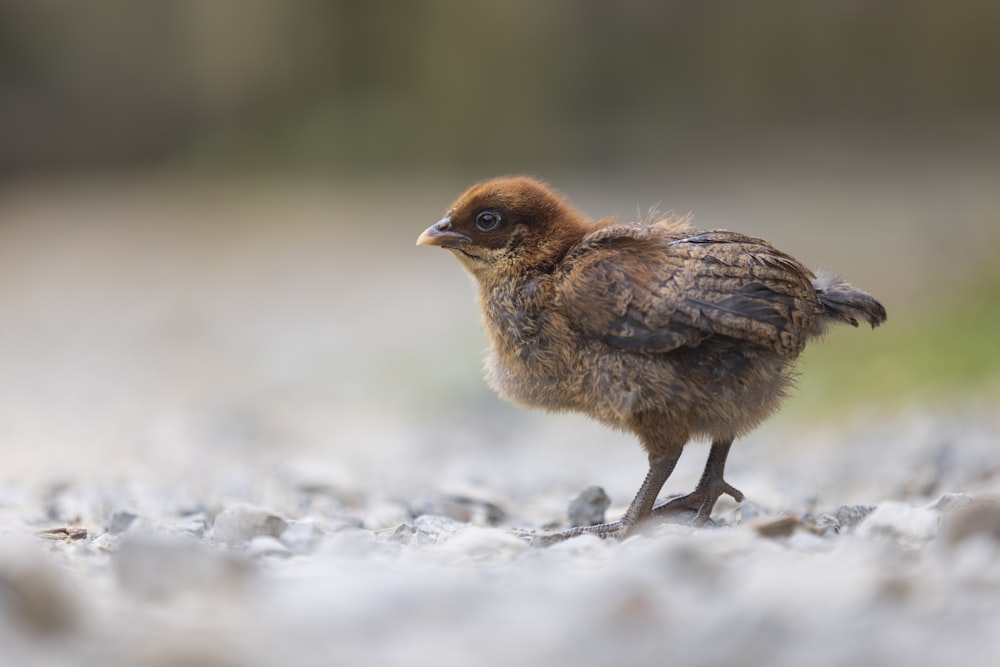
507, 224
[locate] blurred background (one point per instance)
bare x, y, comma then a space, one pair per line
208, 209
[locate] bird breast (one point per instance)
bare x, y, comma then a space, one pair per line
531, 359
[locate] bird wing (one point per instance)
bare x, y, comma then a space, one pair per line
646, 289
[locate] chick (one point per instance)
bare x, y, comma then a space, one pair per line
649, 327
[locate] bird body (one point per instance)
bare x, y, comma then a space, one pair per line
650, 327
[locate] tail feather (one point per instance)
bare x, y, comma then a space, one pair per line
845, 303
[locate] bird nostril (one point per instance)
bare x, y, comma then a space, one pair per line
443, 225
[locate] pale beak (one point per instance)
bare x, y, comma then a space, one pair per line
441, 234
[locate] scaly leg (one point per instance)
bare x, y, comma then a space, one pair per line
710, 487
641, 507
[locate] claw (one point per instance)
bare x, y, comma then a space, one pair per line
702, 500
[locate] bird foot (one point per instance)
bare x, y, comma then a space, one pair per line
701, 501
616, 530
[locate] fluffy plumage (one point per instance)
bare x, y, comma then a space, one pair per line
650, 327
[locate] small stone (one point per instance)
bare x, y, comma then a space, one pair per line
950, 502
194, 524
977, 518
65, 533
120, 522
403, 534
264, 545
780, 527
467, 509
425, 529
436, 525
843, 519
302, 536
235, 526
588, 507
849, 516
822, 525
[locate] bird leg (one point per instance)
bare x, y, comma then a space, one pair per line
710, 487
641, 507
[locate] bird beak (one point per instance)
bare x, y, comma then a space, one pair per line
441, 233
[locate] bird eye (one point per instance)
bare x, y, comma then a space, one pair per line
487, 221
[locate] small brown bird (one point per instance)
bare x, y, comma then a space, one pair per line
650, 327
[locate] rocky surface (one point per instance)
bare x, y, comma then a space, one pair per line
295, 570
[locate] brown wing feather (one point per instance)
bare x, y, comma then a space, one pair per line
675, 290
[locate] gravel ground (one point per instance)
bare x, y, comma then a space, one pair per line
301, 565
252, 448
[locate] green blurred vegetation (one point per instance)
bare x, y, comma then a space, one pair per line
948, 350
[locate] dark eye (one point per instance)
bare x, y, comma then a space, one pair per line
487, 221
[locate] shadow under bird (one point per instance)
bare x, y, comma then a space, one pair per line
651, 327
